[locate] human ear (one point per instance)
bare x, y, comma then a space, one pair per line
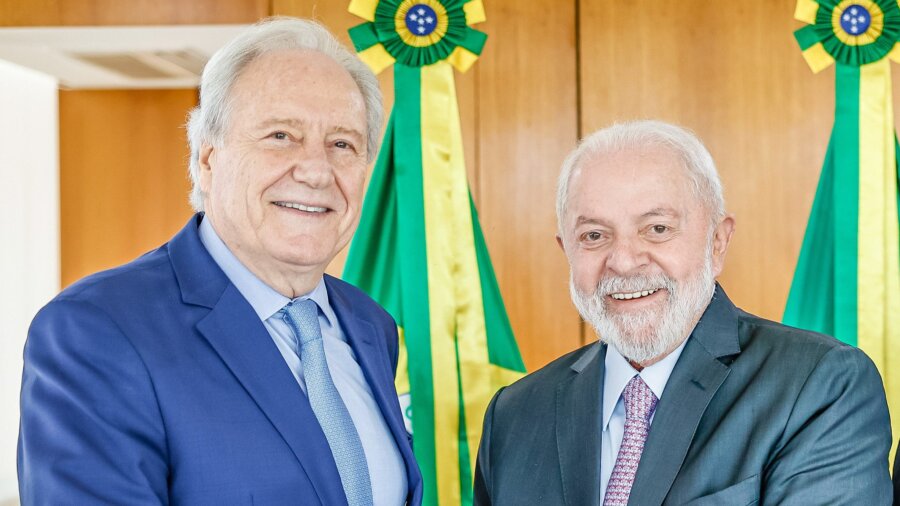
206, 160
721, 239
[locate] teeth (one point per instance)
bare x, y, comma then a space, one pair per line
634, 295
301, 207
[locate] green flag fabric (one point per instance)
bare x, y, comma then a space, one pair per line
847, 280
419, 250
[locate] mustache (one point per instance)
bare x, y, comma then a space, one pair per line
625, 284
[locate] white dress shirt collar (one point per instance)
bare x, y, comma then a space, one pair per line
262, 297
619, 372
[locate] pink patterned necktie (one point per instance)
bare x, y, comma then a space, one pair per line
640, 402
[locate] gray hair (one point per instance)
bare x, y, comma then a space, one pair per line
694, 157
207, 122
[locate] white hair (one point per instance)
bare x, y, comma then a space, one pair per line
207, 122
642, 134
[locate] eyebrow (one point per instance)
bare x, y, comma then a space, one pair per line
584, 220
655, 212
281, 121
349, 131
299, 123
661, 211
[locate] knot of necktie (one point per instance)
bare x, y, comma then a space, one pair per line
303, 317
640, 401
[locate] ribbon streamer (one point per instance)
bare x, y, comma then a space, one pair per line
419, 250
847, 280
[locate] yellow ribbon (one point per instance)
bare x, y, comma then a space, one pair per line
878, 271
817, 57
441, 185
458, 331
806, 11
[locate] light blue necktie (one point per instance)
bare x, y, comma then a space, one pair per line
326, 402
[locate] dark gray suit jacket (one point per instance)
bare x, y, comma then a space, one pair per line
754, 413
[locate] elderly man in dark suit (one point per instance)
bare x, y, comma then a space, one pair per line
686, 399
224, 367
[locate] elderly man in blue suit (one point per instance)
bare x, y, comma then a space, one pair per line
225, 367
687, 400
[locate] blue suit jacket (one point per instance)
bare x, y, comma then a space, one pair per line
156, 383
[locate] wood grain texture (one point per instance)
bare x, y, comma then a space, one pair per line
527, 123
123, 175
22, 13
734, 74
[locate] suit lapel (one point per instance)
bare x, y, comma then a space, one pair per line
693, 384
578, 419
367, 343
234, 331
694, 381
242, 342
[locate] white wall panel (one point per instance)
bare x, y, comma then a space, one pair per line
29, 231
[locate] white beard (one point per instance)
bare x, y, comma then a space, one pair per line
649, 334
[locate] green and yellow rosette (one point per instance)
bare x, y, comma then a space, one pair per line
850, 32
419, 249
417, 33
847, 280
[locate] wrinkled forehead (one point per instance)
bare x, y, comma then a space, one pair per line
291, 70
630, 183
620, 168
294, 82
627, 157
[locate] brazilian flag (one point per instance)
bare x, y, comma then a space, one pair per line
847, 281
419, 250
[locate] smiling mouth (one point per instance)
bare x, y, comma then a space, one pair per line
633, 295
302, 207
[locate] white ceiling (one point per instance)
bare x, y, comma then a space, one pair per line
123, 57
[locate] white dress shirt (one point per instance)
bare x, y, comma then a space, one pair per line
387, 470
618, 372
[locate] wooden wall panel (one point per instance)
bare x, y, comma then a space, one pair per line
129, 12
123, 175
526, 124
733, 73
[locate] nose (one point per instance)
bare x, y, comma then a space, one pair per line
626, 256
312, 166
